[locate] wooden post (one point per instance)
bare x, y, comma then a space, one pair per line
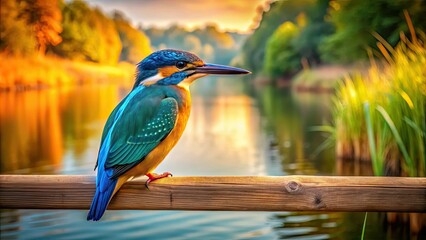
287, 193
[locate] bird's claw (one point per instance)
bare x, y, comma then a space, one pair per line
153, 176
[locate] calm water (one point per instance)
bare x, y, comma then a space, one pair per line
230, 132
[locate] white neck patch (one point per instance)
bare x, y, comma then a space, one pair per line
152, 80
184, 83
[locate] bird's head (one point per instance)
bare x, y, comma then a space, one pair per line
174, 67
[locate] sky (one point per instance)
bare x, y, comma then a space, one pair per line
235, 15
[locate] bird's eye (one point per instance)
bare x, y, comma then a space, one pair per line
180, 64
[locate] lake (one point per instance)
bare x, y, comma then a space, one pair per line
233, 130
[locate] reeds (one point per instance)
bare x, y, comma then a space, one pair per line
380, 116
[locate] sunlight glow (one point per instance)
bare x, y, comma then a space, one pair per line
233, 15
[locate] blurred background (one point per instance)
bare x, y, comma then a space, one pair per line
338, 88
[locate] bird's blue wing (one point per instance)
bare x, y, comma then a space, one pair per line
135, 127
135, 135
108, 126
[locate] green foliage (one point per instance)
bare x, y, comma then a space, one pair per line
88, 35
280, 56
286, 47
253, 50
329, 31
135, 44
312, 35
356, 20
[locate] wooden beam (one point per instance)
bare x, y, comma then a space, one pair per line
287, 193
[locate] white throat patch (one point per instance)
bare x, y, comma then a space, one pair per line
187, 81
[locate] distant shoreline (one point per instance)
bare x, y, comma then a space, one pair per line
18, 74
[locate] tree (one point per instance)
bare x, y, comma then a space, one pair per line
357, 20
279, 12
88, 34
28, 25
211, 35
206, 41
193, 44
16, 36
135, 44
280, 57
156, 35
313, 32
45, 18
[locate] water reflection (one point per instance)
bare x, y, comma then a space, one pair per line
314, 225
38, 127
221, 138
290, 116
30, 127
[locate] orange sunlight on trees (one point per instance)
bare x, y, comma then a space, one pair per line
45, 17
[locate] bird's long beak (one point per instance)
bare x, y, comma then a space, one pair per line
209, 68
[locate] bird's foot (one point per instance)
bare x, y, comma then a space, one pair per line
154, 176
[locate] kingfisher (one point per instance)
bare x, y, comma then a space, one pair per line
148, 122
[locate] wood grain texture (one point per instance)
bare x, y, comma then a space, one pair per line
286, 193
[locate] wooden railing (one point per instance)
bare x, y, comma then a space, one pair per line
287, 193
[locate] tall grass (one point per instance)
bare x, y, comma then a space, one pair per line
381, 115
364, 226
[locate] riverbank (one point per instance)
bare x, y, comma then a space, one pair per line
321, 79
324, 78
40, 72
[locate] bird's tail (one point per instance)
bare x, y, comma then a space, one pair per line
101, 200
